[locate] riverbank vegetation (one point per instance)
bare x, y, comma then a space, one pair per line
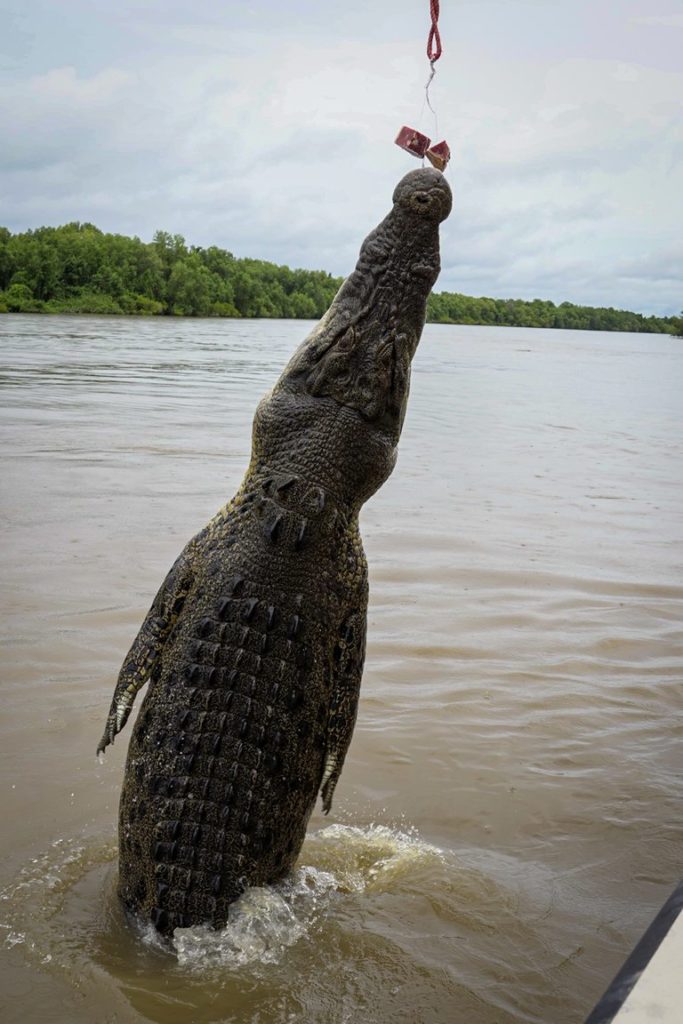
77, 268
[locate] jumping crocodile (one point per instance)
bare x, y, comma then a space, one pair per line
254, 645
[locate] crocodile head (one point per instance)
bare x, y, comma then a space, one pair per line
338, 408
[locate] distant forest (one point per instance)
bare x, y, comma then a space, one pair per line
77, 268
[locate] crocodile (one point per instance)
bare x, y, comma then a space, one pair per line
254, 645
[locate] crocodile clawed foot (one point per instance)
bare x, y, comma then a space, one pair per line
326, 794
108, 736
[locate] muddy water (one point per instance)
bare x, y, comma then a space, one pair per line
509, 816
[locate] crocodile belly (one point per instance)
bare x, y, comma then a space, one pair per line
225, 760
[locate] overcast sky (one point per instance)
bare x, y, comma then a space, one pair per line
267, 128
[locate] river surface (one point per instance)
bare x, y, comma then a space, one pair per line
509, 817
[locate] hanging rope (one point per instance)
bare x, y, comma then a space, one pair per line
434, 41
433, 53
410, 139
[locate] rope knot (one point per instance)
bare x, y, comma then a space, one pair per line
434, 40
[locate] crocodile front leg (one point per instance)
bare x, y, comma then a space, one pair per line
348, 657
145, 654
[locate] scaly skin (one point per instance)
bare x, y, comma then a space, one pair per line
254, 645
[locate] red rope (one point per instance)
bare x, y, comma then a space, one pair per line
434, 40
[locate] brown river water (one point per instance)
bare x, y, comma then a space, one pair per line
509, 817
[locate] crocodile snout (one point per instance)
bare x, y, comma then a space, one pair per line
424, 193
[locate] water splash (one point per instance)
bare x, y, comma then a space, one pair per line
261, 926
371, 858
265, 922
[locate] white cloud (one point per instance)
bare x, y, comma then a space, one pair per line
665, 20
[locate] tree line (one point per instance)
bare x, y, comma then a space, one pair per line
77, 268
462, 309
